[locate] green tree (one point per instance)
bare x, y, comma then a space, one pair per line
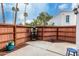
41, 20
44, 17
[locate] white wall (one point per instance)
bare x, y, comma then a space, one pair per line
72, 19
60, 20
55, 20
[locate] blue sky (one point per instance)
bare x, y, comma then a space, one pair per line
33, 10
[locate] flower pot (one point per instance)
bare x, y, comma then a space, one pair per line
10, 47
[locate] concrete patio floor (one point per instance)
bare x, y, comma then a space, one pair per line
43, 48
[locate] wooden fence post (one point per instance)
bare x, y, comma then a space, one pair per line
42, 33
57, 34
14, 34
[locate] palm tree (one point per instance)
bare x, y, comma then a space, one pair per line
3, 13
25, 13
13, 9
16, 10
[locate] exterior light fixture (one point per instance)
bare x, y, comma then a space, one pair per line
76, 10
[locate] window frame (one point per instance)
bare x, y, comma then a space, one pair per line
67, 18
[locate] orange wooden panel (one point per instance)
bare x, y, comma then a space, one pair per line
20, 41
71, 39
49, 38
67, 29
6, 30
49, 33
9, 29
40, 38
71, 34
61, 33
20, 35
39, 29
6, 38
49, 29
39, 34
2, 45
67, 34
61, 38
20, 29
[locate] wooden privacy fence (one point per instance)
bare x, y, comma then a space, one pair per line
57, 33
6, 34
22, 34
19, 34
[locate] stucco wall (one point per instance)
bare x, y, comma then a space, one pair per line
72, 18
55, 20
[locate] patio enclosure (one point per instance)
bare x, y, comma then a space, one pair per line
21, 34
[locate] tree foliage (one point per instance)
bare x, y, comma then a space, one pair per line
41, 20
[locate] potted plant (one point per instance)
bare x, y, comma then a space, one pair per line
10, 46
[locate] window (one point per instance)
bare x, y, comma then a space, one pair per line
67, 18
